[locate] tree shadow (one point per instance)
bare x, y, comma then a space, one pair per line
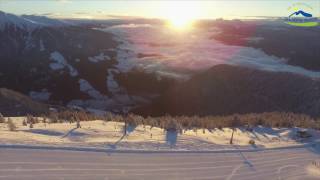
72, 133
270, 131
114, 145
171, 137
129, 129
294, 135
314, 148
44, 132
245, 160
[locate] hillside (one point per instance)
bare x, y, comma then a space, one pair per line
228, 89
13, 104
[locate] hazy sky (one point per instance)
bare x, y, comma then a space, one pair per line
153, 8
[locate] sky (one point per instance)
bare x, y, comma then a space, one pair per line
201, 9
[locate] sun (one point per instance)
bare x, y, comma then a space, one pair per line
181, 14
180, 22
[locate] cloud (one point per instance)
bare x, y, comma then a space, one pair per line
188, 51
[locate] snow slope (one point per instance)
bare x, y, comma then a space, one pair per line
110, 135
98, 58
22, 163
60, 63
28, 22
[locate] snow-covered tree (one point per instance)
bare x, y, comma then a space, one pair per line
11, 125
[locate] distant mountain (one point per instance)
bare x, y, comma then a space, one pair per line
226, 89
27, 22
66, 63
73, 64
48, 58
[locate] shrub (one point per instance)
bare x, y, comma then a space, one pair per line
29, 118
71, 116
24, 123
44, 120
108, 117
32, 120
31, 125
11, 125
252, 142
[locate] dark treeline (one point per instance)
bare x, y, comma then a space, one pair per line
268, 119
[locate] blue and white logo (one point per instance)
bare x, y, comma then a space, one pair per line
301, 14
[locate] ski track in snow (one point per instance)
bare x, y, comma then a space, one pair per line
29, 164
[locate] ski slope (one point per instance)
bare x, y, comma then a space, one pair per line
291, 163
110, 135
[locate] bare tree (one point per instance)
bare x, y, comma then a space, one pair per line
234, 123
125, 114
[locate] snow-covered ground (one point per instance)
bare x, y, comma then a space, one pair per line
110, 135
60, 63
98, 58
42, 95
99, 150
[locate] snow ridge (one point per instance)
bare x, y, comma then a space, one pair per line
29, 22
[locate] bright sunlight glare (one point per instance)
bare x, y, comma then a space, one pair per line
181, 14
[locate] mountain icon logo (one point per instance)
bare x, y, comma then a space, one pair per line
300, 14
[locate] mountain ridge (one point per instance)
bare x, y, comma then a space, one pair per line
29, 22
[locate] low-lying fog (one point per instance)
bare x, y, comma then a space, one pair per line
157, 48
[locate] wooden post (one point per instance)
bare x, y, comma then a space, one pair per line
125, 127
231, 140
234, 124
125, 112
